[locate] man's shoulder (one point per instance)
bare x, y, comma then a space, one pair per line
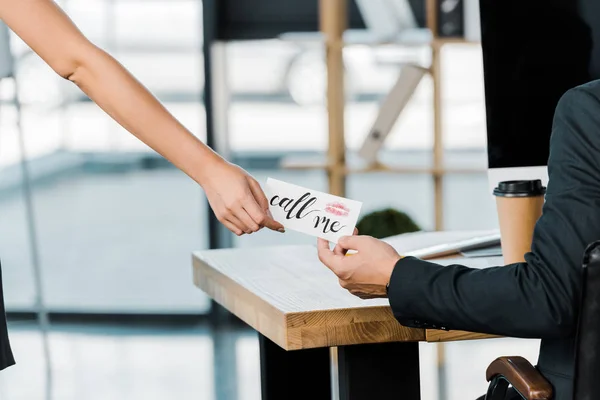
589, 90
586, 96
580, 106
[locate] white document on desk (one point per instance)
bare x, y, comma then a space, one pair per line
312, 212
427, 245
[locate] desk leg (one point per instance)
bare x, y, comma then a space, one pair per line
291, 375
379, 371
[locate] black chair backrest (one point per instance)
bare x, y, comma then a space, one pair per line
587, 364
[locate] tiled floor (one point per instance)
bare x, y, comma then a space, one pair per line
99, 362
112, 363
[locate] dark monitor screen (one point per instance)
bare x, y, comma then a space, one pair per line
266, 19
533, 51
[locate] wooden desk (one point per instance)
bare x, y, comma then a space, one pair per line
296, 303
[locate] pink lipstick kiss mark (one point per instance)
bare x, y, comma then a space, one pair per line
338, 209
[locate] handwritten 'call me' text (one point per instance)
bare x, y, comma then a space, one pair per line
301, 208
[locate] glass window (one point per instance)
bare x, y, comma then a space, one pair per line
116, 222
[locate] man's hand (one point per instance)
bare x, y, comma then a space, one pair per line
366, 273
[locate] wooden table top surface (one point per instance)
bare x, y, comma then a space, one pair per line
286, 294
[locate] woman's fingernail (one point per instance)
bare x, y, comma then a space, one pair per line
282, 230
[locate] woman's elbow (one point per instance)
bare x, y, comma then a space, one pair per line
66, 67
73, 68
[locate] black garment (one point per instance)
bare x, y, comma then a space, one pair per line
6, 356
537, 298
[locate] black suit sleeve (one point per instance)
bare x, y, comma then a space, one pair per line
537, 298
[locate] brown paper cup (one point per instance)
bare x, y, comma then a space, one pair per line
518, 212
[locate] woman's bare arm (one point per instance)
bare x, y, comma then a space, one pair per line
235, 196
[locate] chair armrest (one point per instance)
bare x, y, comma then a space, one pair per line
523, 377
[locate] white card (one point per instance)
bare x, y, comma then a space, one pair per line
309, 211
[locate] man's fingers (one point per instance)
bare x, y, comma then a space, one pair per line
323, 245
339, 250
352, 242
327, 257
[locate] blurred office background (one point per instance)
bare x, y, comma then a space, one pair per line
117, 224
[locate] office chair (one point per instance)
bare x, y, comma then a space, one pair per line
528, 381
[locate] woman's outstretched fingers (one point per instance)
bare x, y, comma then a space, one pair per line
264, 217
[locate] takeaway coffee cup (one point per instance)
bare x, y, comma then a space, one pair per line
519, 205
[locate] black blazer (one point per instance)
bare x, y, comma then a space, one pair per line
537, 298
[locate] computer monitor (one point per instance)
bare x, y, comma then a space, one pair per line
533, 52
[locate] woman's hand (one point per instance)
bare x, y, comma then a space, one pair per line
366, 273
237, 198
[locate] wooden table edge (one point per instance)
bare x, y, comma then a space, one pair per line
437, 335
400, 333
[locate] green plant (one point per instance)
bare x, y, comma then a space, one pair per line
386, 223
